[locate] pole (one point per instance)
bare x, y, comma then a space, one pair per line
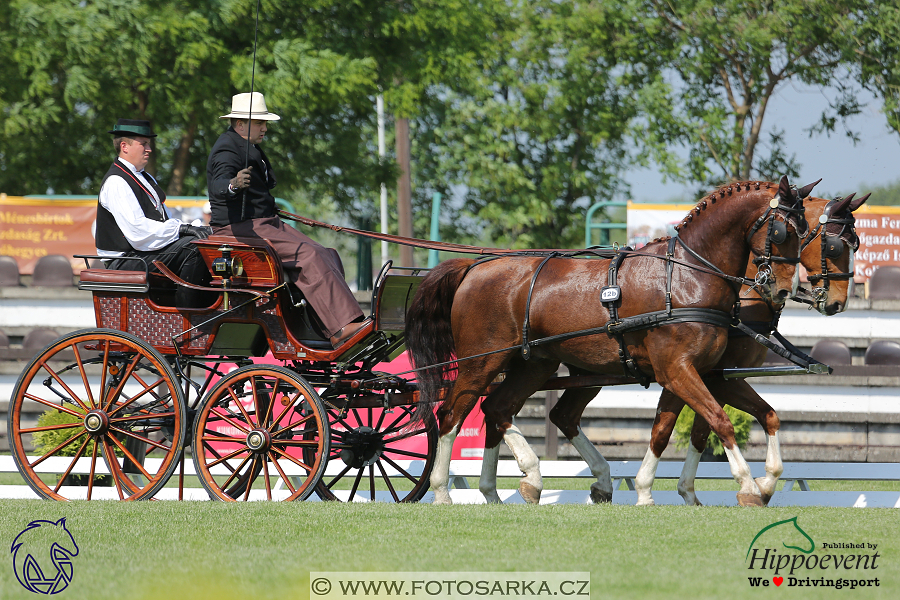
435, 228
379, 103
404, 189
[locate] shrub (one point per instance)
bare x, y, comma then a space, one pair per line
739, 419
45, 441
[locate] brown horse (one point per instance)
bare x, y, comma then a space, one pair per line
475, 313
827, 256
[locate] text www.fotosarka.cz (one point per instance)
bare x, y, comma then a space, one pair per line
411, 585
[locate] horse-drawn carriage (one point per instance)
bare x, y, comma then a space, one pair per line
154, 380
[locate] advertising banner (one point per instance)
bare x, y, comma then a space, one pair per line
34, 227
878, 228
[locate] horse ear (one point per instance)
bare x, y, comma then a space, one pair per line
784, 190
859, 202
806, 189
842, 205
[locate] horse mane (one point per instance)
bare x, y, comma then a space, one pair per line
720, 192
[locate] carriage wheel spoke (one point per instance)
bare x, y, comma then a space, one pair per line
405, 473
84, 379
359, 475
53, 405
57, 449
290, 405
372, 483
292, 459
265, 465
339, 476
72, 464
114, 393
157, 399
387, 480
251, 477
406, 435
112, 464
407, 453
284, 477
131, 457
240, 406
140, 438
235, 472
90, 489
69, 391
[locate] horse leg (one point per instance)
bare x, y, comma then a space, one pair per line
739, 394
688, 384
667, 411
487, 485
699, 435
471, 382
522, 380
567, 416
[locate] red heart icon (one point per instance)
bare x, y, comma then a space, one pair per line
778, 580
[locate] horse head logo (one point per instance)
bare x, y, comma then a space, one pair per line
35, 570
788, 533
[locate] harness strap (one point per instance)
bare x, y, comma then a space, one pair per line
526, 349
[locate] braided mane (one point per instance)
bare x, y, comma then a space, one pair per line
720, 192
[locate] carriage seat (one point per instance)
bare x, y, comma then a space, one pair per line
113, 281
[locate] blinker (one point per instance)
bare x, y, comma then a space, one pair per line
779, 232
834, 246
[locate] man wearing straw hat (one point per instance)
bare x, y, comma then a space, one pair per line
243, 206
133, 225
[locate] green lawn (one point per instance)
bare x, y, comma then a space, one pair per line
169, 550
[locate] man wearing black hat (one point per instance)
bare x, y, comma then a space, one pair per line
239, 177
132, 221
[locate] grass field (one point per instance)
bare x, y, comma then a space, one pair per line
168, 550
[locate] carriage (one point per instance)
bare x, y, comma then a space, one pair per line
153, 380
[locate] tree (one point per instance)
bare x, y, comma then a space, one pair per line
727, 58
874, 48
540, 133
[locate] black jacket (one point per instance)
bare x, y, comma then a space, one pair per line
109, 236
226, 159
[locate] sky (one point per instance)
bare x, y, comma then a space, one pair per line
843, 167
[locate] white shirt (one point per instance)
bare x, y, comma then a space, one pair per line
142, 233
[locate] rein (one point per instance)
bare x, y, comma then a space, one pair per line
832, 247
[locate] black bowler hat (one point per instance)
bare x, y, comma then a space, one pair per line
130, 127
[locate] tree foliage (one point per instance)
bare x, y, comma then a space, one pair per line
728, 58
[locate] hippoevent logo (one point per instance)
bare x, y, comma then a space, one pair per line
42, 556
784, 554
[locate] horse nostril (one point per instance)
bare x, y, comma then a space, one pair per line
783, 294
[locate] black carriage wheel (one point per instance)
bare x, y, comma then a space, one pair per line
369, 455
261, 433
108, 401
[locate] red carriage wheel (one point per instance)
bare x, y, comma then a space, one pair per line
261, 434
111, 405
379, 454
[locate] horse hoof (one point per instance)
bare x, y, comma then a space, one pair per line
766, 494
647, 502
600, 497
531, 494
749, 500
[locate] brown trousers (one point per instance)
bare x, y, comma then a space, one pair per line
316, 270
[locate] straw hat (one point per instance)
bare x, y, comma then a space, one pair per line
240, 108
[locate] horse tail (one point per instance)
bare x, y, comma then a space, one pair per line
429, 337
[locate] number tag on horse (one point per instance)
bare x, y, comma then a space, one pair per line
610, 293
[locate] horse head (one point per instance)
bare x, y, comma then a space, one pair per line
775, 242
827, 253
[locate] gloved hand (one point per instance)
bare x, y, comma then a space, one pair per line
241, 180
197, 232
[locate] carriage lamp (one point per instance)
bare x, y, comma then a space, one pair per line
227, 266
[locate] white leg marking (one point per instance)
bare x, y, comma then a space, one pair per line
531, 485
601, 490
644, 479
774, 468
440, 474
688, 475
741, 472
488, 482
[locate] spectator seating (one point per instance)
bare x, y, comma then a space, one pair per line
885, 283
39, 338
9, 272
53, 270
4, 340
831, 352
883, 352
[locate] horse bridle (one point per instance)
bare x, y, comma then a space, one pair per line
776, 234
832, 247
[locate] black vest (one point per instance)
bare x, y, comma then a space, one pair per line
109, 236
